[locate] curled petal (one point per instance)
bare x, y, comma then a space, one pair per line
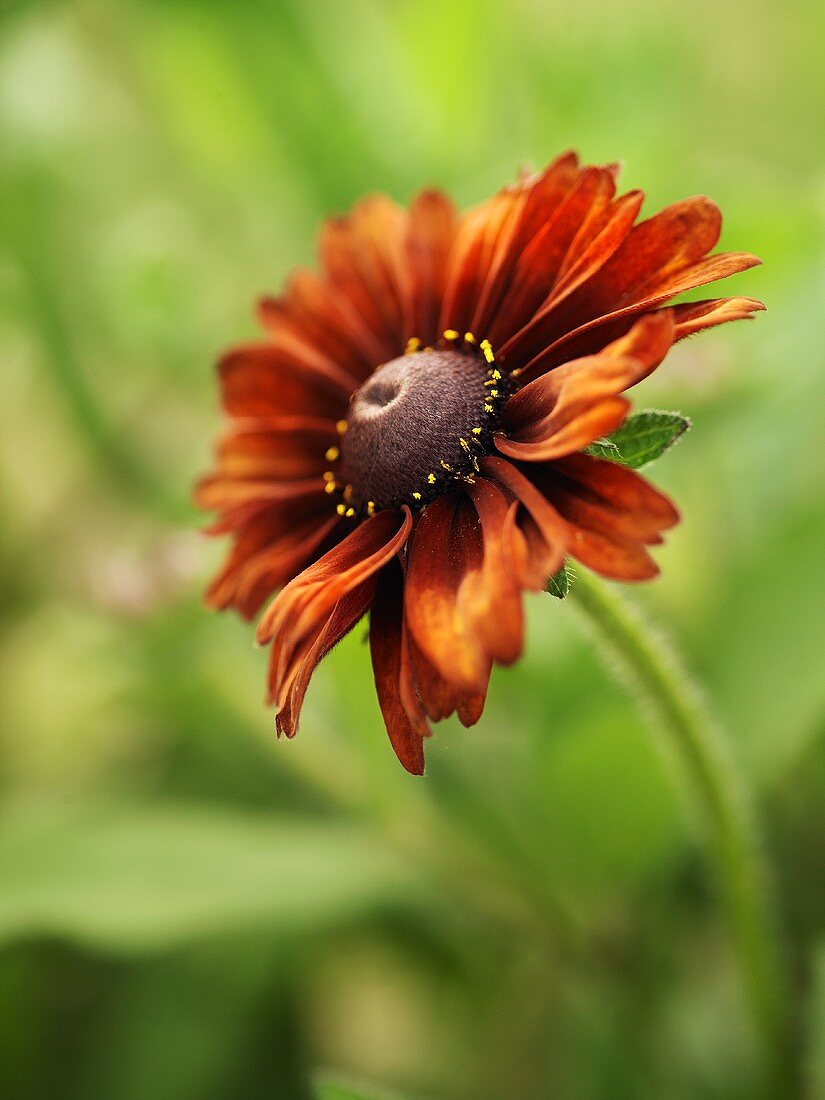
565, 410
349, 610
294, 619
538, 535
693, 317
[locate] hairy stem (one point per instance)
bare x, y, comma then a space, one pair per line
721, 803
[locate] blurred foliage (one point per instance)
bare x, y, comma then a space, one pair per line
189, 910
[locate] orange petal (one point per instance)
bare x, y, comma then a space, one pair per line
446, 548
566, 409
590, 335
490, 596
692, 317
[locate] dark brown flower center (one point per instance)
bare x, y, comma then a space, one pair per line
417, 425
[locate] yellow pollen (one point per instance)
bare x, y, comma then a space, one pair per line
489, 408
495, 374
488, 355
515, 373
416, 496
431, 479
331, 454
370, 507
330, 487
493, 393
329, 475
476, 431
349, 512
341, 427
445, 465
490, 382
485, 345
341, 509
464, 443
469, 338
450, 334
413, 344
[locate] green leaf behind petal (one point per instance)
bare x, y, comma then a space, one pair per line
644, 437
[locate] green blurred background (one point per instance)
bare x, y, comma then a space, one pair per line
191, 910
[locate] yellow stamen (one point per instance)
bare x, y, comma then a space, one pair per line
469, 338
349, 512
341, 509
341, 427
332, 454
450, 334
330, 487
370, 507
413, 344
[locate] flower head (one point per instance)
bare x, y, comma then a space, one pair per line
409, 441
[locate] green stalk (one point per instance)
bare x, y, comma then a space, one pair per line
722, 805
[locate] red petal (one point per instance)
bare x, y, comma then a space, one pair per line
386, 639
312, 310
612, 511
363, 256
266, 380
545, 254
433, 225
539, 536
287, 447
475, 249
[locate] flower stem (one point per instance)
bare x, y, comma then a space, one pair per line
722, 805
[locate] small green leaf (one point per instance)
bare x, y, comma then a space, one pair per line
559, 583
642, 438
604, 448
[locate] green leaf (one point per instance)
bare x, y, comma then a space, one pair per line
644, 437
559, 583
330, 1087
148, 877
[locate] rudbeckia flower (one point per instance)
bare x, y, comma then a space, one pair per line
411, 439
